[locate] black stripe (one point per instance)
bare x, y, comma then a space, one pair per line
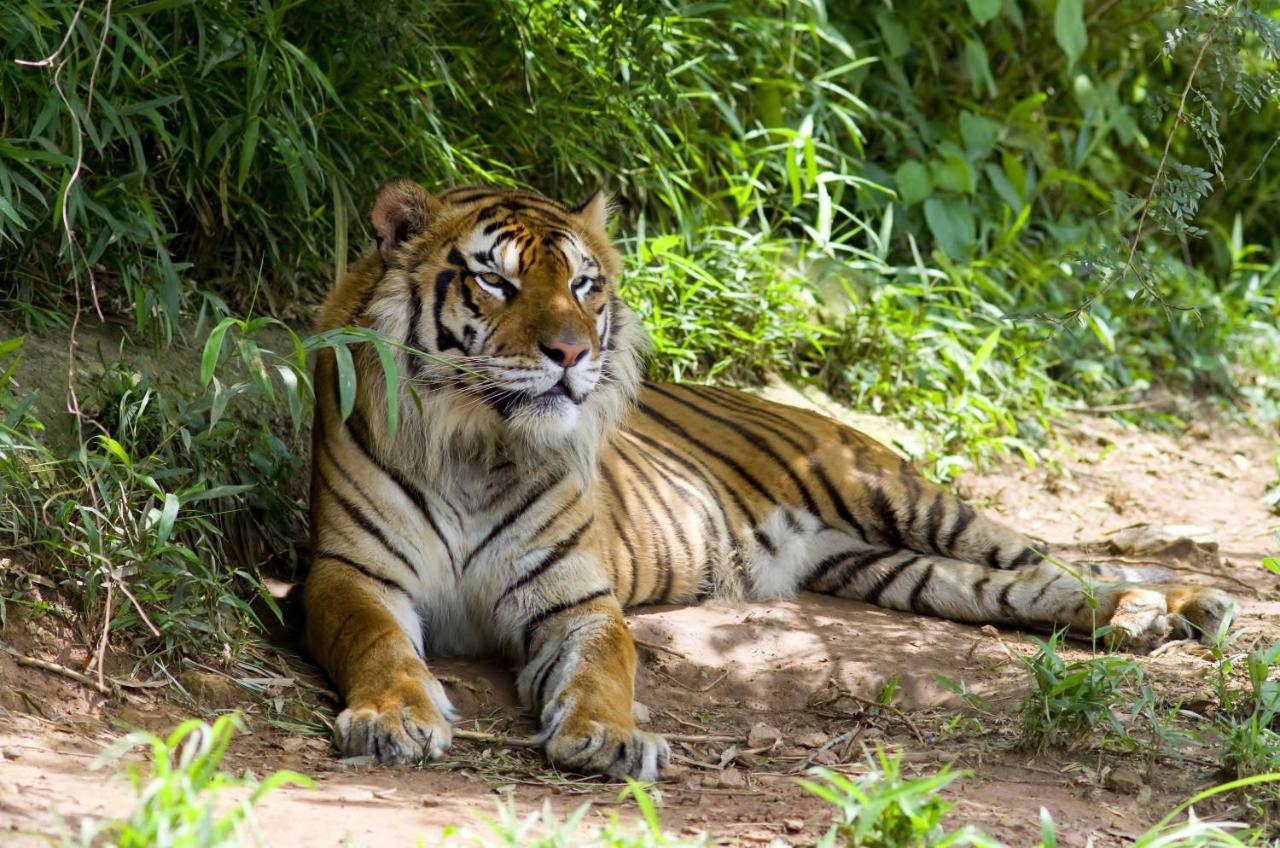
328, 455
754, 440
747, 411
445, 338
842, 507
365, 524
556, 515
859, 565
543, 675
1043, 589
888, 518
665, 560
370, 645
825, 567
324, 553
935, 518
741, 402
555, 555
1004, 600
1029, 556
337, 631
763, 540
631, 554
357, 428
917, 593
993, 556
704, 473
411, 337
507, 520
712, 537
964, 517
533, 624
621, 501
884, 581
979, 587
728, 461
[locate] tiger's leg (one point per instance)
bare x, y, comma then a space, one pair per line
366, 636
579, 677
1044, 595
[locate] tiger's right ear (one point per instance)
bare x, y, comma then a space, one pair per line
403, 209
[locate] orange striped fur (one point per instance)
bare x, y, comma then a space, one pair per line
536, 487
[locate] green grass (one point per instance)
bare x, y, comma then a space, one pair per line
184, 801
183, 794
1069, 702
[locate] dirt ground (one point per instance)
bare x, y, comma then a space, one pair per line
813, 669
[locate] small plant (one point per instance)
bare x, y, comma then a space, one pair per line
543, 829
884, 809
182, 796
1247, 727
1271, 497
1068, 700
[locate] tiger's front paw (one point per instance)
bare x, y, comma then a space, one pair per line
407, 723
612, 748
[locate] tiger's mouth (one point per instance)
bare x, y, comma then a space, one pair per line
536, 403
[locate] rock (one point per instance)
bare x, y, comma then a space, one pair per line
731, 778
792, 825
827, 758
1178, 541
640, 713
293, 744
812, 739
429, 801
1124, 780
11, 753
763, 735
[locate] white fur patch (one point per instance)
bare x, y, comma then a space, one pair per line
798, 545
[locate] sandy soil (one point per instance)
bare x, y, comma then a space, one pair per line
811, 668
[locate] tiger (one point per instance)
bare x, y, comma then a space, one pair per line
536, 486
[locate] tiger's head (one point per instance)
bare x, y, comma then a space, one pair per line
514, 300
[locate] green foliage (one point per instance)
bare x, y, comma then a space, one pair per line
182, 797
931, 171
1247, 726
885, 809
1067, 701
158, 524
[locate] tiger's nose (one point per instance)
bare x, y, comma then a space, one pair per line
565, 352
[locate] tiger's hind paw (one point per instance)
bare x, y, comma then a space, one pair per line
404, 725
1147, 616
1140, 621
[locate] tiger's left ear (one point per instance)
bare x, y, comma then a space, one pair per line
594, 211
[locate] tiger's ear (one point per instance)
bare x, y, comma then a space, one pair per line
403, 209
594, 211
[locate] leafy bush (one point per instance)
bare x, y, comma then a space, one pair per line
994, 154
159, 522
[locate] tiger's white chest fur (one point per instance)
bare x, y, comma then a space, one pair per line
487, 519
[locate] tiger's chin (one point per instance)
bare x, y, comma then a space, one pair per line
547, 419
